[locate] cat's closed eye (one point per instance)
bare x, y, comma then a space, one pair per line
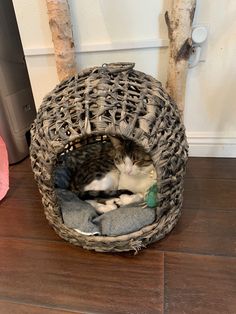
143, 163
118, 159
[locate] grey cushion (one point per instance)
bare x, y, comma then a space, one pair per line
82, 216
77, 214
125, 220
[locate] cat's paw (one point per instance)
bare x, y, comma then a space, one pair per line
123, 199
129, 199
104, 208
113, 201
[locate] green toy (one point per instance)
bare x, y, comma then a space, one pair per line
151, 196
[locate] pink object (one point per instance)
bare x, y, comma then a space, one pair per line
4, 169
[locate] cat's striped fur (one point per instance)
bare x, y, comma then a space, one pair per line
94, 170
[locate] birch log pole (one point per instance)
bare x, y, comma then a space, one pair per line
179, 22
62, 37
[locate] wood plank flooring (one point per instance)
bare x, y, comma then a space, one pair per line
192, 270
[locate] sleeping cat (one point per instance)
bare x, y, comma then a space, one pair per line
110, 174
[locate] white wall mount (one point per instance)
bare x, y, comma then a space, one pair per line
199, 39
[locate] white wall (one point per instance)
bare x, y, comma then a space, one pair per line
109, 25
210, 113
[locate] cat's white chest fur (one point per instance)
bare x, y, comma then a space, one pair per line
135, 183
109, 182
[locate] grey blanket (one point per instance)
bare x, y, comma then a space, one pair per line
83, 217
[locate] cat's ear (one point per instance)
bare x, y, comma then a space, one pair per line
116, 142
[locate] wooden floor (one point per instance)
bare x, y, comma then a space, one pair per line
193, 270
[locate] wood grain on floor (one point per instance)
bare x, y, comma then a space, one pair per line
40, 272
199, 284
192, 270
18, 308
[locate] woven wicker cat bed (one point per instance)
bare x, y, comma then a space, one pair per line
113, 100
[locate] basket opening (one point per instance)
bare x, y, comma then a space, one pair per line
106, 185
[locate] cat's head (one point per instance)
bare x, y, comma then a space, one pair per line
130, 158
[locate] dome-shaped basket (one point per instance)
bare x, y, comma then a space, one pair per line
113, 100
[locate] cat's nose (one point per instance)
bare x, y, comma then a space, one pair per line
128, 171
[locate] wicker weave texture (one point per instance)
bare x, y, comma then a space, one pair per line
114, 100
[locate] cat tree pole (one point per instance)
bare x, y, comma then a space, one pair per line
62, 37
179, 22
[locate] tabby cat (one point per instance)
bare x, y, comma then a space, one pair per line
107, 174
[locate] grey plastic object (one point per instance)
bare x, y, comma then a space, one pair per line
17, 108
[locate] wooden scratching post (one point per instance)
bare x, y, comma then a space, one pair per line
179, 22
62, 37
